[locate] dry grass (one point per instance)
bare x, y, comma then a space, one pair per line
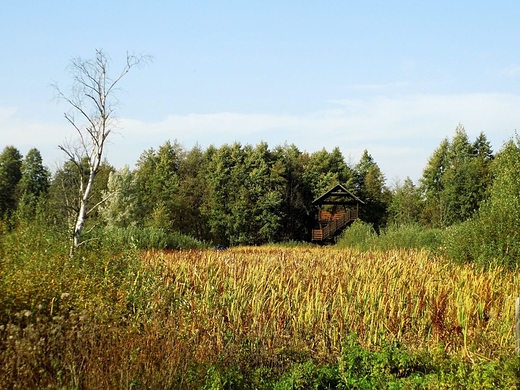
314, 297
164, 321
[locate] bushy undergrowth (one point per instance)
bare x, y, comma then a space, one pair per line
363, 236
292, 244
475, 241
148, 238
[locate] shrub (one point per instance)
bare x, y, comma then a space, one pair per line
362, 235
148, 238
359, 235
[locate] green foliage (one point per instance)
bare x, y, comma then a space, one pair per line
386, 366
362, 236
455, 180
191, 193
324, 170
370, 188
393, 366
358, 235
33, 185
121, 205
10, 175
389, 366
148, 238
247, 195
309, 375
296, 195
410, 236
405, 207
493, 235
158, 180
35, 176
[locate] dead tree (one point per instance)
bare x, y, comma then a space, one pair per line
92, 102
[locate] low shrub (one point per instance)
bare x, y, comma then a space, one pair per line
363, 236
148, 238
360, 235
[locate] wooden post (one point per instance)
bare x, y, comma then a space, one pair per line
517, 325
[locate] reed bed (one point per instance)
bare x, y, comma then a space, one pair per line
313, 298
170, 319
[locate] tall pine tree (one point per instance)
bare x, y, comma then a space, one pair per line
10, 175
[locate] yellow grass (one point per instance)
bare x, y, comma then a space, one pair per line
311, 299
163, 318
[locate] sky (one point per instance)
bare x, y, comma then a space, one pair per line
391, 77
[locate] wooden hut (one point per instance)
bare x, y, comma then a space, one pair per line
336, 208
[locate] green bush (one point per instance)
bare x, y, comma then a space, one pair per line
477, 241
148, 238
363, 236
292, 244
493, 235
359, 235
408, 237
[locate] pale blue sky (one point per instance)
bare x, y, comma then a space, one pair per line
393, 77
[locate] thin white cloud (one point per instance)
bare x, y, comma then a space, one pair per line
511, 71
400, 132
378, 87
6, 113
26, 134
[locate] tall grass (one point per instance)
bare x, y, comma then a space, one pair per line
316, 297
147, 238
363, 236
194, 318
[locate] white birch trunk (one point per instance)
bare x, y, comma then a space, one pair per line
92, 100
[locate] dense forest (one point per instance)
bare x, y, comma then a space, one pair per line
251, 195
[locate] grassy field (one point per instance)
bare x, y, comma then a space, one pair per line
266, 317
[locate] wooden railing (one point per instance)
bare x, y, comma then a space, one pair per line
334, 222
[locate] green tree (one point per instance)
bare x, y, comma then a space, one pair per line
370, 188
455, 180
459, 180
190, 194
296, 194
264, 183
120, 208
10, 175
157, 175
222, 206
33, 185
481, 167
493, 233
245, 195
405, 206
324, 170
499, 215
432, 185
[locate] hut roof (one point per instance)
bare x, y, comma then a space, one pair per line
337, 195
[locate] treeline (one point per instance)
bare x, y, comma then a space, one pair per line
231, 195
249, 195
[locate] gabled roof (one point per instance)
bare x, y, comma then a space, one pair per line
337, 195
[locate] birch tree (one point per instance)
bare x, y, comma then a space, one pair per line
92, 102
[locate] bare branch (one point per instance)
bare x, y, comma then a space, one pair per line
93, 98
101, 202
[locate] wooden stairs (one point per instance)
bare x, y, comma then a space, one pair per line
332, 223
